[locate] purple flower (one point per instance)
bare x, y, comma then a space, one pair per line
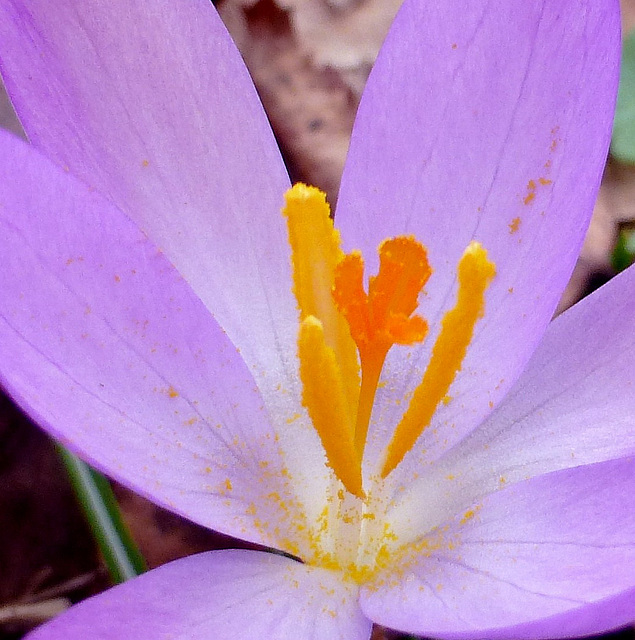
150, 321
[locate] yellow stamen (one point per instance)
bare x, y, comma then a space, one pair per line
382, 317
475, 272
315, 252
338, 319
325, 400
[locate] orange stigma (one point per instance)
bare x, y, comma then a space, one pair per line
383, 316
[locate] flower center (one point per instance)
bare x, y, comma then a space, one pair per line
337, 317
344, 329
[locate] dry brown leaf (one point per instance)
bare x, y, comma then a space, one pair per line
628, 15
344, 36
8, 119
311, 108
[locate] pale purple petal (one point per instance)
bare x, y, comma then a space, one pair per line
467, 105
106, 346
151, 104
575, 402
550, 557
573, 405
225, 595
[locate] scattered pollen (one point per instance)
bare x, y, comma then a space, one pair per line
532, 186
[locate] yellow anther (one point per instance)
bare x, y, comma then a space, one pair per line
315, 252
325, 400
475, 272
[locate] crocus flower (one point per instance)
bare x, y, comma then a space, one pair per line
164, 320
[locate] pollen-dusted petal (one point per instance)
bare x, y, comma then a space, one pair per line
152, 105
315, 252
325, 400
553, 69
475, 272
109, 349
550, 557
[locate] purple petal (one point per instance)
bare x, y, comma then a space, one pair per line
106, 346
550, 557
224, 595
152, 105
466, 106
573, 405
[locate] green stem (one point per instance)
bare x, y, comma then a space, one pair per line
121, 555
624, 252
